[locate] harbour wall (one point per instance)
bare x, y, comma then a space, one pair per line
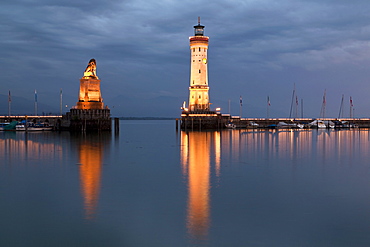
220, 121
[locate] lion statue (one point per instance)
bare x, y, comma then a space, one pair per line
90, 71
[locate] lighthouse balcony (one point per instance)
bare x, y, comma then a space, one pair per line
199, 38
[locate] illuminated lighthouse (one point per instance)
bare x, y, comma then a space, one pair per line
198, 114
198, 90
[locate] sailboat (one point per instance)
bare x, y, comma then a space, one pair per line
8, 126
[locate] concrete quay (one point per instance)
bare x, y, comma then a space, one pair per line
52, 120
215, 120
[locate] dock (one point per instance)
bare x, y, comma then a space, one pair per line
53, 120
216, 121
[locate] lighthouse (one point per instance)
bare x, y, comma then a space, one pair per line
198, 90
198, 115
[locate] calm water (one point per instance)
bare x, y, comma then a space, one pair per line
151, 186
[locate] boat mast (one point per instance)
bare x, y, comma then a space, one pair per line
268, 106
296, 107
323, 106
291, 104
301, 108
341, 108
9, 103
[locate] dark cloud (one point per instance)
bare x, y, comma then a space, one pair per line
257, 48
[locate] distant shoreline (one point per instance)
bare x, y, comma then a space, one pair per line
146, 118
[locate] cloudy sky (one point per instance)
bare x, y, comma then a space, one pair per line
257, 48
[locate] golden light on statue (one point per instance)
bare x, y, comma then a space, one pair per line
90, 94
90, 71
89, 113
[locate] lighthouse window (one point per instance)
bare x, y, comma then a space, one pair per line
204, 49
199, 48
193, 49
199, 96
199, 71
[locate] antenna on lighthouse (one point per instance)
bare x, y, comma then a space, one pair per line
198, 20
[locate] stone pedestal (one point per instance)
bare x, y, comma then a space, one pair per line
88, 119
90, 105
89, 113
90, 95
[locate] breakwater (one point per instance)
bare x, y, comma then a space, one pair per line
78, 120
222, 121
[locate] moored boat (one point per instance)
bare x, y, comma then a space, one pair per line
3, 125
8, 126
230, 125
317, 124
31, 126
283, 125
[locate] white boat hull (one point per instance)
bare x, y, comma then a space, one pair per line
31, 127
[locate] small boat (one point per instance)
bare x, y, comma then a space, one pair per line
31, 126
321, 124
8, 126
344, 124
317, 124
330, 125
253, 124
283, 125
3, 125
230, 125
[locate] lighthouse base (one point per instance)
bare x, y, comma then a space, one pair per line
191, 120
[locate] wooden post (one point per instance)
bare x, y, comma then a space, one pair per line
116, 125
26, 124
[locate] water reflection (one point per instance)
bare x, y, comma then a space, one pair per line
206, 156
40, 148
29, 146
196, 154
298, 144
91, 148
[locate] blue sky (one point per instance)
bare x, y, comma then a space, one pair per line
256, 49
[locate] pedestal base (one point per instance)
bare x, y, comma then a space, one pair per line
90, 105
88, 120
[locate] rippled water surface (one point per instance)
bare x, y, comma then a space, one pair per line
153, 186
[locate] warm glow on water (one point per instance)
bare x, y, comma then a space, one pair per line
197, 146
90, 174
153, 186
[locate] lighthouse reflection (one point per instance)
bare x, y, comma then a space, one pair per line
90, 151
196, 157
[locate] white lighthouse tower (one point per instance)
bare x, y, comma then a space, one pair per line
198, 90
